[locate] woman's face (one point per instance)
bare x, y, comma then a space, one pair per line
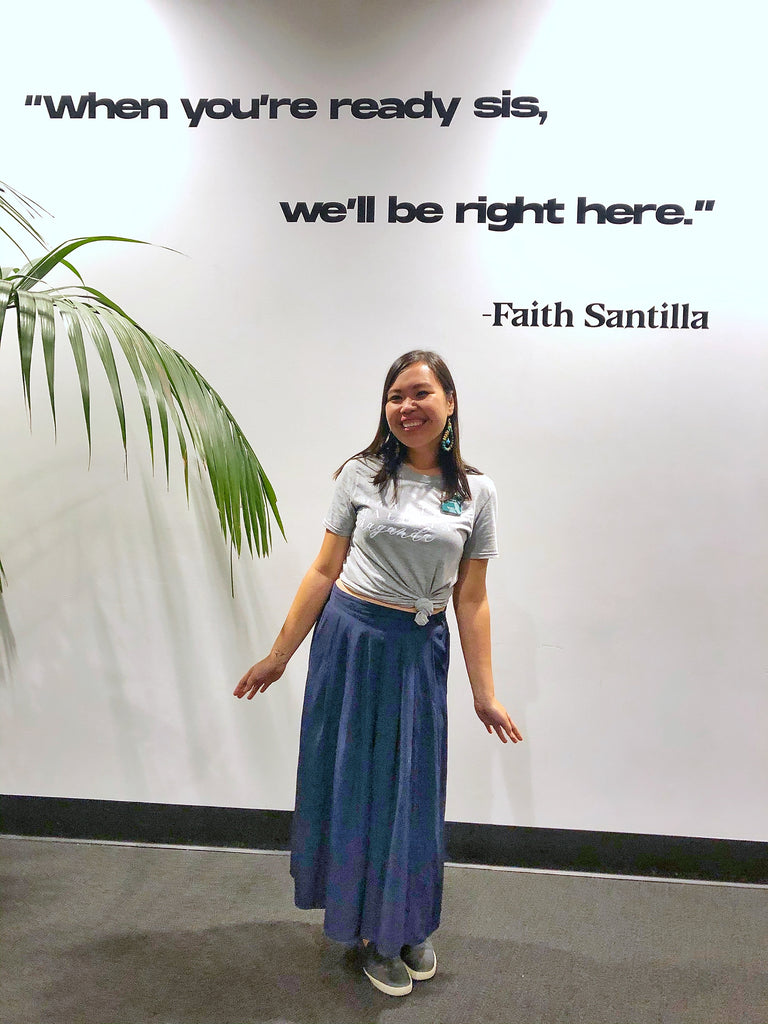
417, 407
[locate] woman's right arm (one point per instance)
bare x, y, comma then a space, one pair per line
311, 596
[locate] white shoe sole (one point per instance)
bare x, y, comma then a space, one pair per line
422, 975
390, 990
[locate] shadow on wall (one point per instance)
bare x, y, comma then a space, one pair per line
520, 646
330, 33
125, 592
8, 651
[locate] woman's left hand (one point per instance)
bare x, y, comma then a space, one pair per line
495, 718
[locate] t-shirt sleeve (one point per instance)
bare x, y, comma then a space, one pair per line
482, 543
341, 514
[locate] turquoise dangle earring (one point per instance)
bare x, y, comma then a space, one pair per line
447, 442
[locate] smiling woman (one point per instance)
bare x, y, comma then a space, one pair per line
418, 411
409, 525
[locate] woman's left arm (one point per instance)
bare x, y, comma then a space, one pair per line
473, 615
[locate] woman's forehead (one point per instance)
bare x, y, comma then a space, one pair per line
416, 373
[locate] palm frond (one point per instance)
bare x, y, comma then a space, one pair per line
6, 294
29, 208
170, 389
37, 270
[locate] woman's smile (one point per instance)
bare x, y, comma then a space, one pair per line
417, 407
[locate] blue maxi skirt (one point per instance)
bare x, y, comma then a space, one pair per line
368, 829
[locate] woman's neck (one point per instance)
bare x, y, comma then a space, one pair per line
425, 462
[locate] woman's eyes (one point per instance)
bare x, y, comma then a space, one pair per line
399, 398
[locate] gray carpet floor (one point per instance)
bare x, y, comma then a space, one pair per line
103, 934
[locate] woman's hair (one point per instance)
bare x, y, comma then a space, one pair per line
391, 452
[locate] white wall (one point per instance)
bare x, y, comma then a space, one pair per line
630, 601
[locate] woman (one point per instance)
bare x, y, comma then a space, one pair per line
409, 524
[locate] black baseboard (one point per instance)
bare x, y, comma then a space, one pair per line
123, 821
621, 853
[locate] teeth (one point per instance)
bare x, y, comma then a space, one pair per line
413, 423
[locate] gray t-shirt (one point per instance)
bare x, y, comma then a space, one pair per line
408, 552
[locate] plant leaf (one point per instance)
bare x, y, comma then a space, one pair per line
237, 479
241, 490
45, 314
40, 268
75, 334
6, 293
90, 320
158, 381
32, 208
10, 237
25, 325
119, 329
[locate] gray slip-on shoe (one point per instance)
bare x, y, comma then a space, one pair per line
386, 973
420, 961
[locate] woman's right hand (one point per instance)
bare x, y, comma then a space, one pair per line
307, 605
260, 677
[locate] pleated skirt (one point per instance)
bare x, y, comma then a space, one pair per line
368, 828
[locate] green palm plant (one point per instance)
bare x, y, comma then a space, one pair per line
172, 392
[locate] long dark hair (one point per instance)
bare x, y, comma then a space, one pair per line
388, 449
